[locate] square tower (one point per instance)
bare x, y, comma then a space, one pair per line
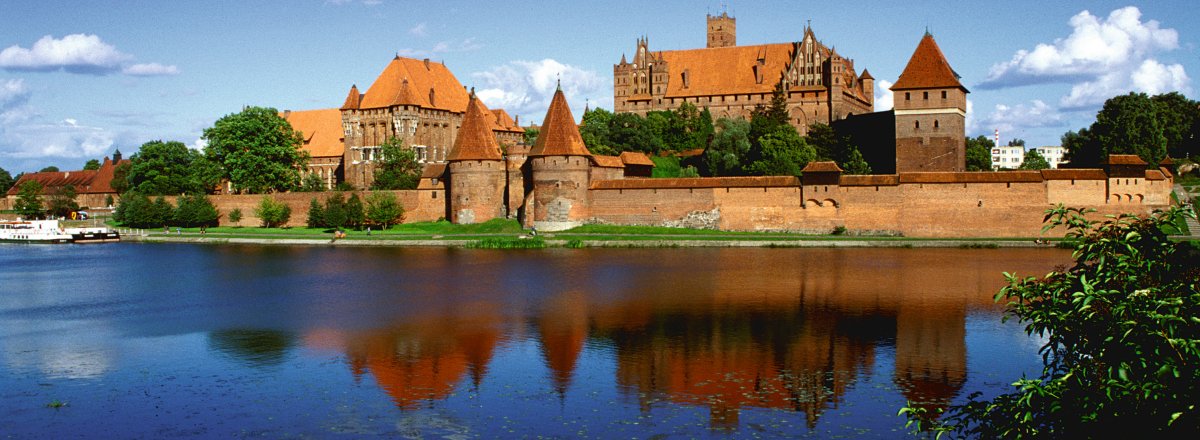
722, 30
931, 113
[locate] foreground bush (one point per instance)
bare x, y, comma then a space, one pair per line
1122, 331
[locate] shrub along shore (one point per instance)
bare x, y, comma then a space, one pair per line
507, 234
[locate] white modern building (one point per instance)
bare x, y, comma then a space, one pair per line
1011, 157
1007, 157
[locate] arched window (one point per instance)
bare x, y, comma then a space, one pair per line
918, 125
936, 124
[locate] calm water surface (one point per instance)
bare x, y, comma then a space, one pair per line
162, 341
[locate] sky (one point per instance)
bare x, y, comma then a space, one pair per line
79, 80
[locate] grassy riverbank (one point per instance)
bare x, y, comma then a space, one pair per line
507, 234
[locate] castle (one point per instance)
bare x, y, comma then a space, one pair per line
558, 184
477, 167
821, 86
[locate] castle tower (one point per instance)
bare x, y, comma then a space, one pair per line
559, 163
931, 112
477, 171
722, 30
868, 85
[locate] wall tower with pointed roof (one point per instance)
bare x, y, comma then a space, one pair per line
560, 166
931, 111
476, 166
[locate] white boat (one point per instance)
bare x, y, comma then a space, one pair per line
33, 231
92, 235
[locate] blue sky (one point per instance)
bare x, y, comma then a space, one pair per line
80, 79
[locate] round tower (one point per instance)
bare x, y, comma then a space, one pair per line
476, 166
560, 165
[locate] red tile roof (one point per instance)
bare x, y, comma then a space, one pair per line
636, 158
475, 140
1074, 174
972, 177
726, 70
431, 85
102, 183
869, 180
1155, 175
1125, 159
353, 99
504, 122
822, 167
321, 130
559, 135
52, 180
608, 161
433, 170
699, 182
927, 69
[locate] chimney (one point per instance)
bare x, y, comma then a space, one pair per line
426, 63
286, 113
117, 156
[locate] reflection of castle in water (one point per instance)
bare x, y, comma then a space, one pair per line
797, 341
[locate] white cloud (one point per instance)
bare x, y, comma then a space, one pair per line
1017, 118
14, 102
150, 69
48, 141
526, 87
77, 53
1094, 48
1101, 58
972, 123
420, 30
198, 144
883, 95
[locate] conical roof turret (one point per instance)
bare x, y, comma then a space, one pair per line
559, 136
475, 139
353, 99
927, 69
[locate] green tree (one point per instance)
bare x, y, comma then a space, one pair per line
690, 128
316, 214
1082, 149
825, 141
595, 130
629, 132
135, 210
1122, 341
767, 119
162, 210
398, 169
49, 169
784, 153
979, 153
120, 180
335, 210
855, 163
91, 165
531, 135
1016, 142
383, 208
257, 149
235, 216
1128, 124
355, 211
730, 144
193, 210
312, 183
164, 168
1180, 119
6, 180
273, 213
29, 200
1034, 161
62, 201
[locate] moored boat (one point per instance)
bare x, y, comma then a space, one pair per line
93, 235
33, 231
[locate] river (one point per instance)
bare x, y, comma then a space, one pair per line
175, 340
